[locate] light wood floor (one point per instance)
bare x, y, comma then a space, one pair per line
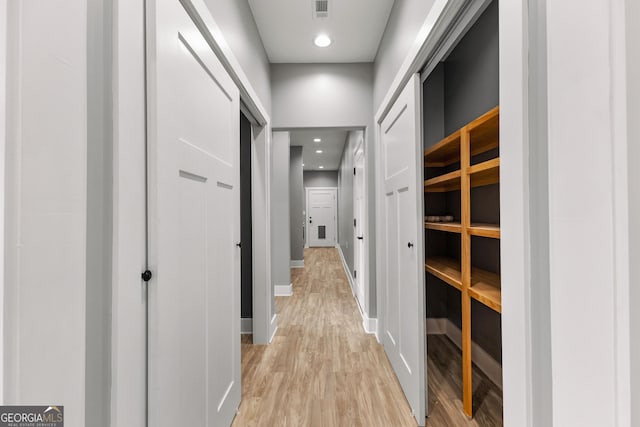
322, 369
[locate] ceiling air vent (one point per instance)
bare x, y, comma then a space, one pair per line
321, 8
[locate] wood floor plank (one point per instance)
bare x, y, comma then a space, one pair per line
323, 370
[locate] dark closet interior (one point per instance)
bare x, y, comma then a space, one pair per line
246, 238
462, 88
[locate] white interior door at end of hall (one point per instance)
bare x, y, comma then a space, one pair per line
358, 229
322, 217
194, 297
403, 291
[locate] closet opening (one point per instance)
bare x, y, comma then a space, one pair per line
246, 231
460, 115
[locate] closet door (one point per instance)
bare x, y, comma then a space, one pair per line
194, 214
403, 297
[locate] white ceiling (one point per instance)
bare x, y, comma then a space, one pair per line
288, 27
332, 146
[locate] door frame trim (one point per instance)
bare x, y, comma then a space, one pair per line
364, 274
335, 216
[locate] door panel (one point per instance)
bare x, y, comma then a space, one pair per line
194, 206
403, 325
322, 217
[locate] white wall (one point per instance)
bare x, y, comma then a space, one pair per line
633, 104
280, 222
588, 323
47, 206
407, 17
321, 95
128, 309
238, 26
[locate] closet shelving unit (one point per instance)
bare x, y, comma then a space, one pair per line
476, 138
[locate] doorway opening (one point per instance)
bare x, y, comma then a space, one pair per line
460, 121
246, 229
329, 203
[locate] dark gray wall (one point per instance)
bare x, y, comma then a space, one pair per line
320, 179
462, 88
296, 203
246, 235
471, 73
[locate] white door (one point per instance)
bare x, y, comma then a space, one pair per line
321, 216
358, 229
403, 329
194, 297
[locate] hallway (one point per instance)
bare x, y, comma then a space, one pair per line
321, 369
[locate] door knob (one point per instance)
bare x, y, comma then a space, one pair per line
239, 244
409, 245
360, 237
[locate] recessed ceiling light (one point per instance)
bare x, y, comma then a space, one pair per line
320, 167
319, 151
322, 40
317, 140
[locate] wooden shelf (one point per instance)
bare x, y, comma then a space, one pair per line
443, 153
484, 132
485, 288
482, 135
485, 230
445, 269
485, 173
450, 227
443, 183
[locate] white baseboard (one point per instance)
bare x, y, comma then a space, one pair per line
487, 364
346, 270
284, 290
370, 325
296, 263
246, 325
273, 327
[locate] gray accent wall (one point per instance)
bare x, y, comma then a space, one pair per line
296, 200
241, 34
301, 98
280, 224
406, 19
320, 179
